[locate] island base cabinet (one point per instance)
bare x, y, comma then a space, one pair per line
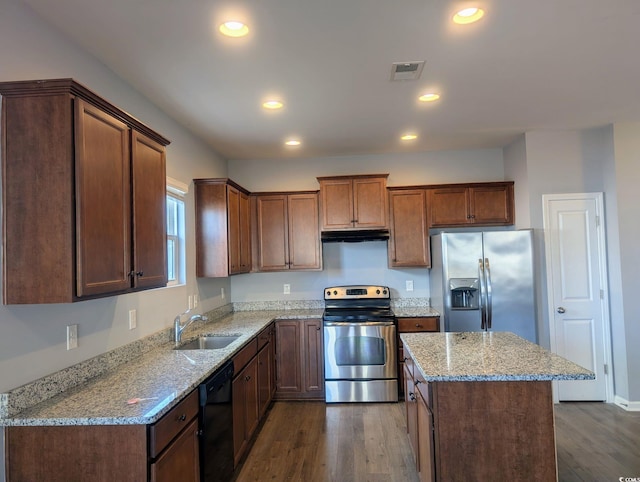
488, 431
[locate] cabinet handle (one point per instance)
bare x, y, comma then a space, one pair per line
140, 273
412, 396
318, 329
247, 378
418, 325
418, 382
182, 418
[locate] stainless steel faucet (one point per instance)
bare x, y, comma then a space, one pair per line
178, 328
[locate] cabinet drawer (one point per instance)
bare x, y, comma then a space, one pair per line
428, 323
423, 387
408, 361
166, 429
263, 337
245, 355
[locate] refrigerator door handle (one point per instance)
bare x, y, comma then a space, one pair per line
487, 272
483, 304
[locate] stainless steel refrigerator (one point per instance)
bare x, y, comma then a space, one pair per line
484, 281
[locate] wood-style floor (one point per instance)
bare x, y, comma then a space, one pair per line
313, 441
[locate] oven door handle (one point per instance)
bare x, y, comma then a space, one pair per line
352, 323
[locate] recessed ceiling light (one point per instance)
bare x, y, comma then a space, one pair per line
468, 15
409, 137
272, 104
429, 97
293, 142
233, 28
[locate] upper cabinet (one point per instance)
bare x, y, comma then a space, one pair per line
223, 231
409, 234
484, 204
287, 232
354, 202
83, 196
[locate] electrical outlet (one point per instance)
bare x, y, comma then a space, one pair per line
287, 289
190, 302
133, 319
72, 337
195, 300
409, 285
222, 293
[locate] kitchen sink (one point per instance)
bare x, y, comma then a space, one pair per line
209, 342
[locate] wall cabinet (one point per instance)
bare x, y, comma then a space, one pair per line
484, 204
354, 202
223, 221
164, 451
409, 234
299, 360
287, 232
83, 196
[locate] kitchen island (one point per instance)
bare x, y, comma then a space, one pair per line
479, 405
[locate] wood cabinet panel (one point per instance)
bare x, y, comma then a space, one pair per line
171, 424
245, 408
68, 173
449, 206
426, 455
223, 245
418, 324
273, 233
354, 202
313, 358
492, 204
304, 232
411, 411
409, 234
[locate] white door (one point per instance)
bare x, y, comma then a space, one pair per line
577, 290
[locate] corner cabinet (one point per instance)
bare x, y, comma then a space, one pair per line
409, 234
482, 204
223, 225
287, 231
83, 192
354, 202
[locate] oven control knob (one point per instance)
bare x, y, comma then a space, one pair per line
335, 292
384, 292
328, 293
377, 292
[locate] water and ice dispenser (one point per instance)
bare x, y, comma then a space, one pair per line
465, 294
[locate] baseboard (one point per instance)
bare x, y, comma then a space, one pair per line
626, 404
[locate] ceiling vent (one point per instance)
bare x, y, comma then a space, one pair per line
406, 70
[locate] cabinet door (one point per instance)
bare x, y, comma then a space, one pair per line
103, 202
304, 232
409, 240
370, 204
492, 204
245, 233
289, 375
337, 204
273, 239
245, 407
426, 458
265, 376
233, 214
412, 411
149, 213
313, 360
449, 206
180, 459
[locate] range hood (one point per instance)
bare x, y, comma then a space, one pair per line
354, 236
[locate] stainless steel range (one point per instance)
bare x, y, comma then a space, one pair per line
360, 349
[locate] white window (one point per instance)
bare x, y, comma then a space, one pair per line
176, 256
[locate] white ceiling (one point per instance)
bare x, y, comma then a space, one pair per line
528, 65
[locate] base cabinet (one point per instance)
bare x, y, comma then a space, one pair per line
412, 325
164, 451
299, 360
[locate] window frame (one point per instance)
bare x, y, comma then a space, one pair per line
176, 192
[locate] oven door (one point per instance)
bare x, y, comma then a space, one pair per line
360, 351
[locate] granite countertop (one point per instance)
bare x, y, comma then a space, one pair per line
415, 312
160, 378
487, 356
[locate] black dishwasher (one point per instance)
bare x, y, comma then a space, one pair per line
216, 426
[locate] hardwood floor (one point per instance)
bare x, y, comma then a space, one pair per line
316, 442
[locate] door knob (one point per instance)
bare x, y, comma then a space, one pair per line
560, 309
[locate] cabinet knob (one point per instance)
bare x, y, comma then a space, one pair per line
140, 273
247, 378
182, 418
418, 325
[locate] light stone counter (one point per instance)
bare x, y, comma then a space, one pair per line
160, 378
415, 312
487, 356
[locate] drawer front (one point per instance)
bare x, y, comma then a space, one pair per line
409, 325
169, 426
263, 337
245, 355
422, 386
408, 361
